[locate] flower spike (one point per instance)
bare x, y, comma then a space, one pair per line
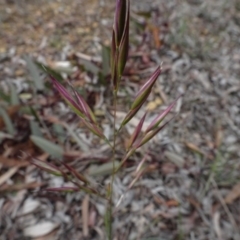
120, 40
136, 132
141, 96
161, 116
80, 107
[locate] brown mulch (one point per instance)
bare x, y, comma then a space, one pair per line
190, 188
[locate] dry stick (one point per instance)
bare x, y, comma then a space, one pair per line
226, 209
8, 174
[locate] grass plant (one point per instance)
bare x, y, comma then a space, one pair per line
119, 55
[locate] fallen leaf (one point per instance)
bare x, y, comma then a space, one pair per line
30, 205
72, 155
8, 174
7, 122
92, 217
85, 215
104, 169
193, 201
158, 200
48, 146
216, 224
20, 186
174, 158
155, 32
11, 162
11, 111
194, 148
36, 78
233, 194
168, 168
172, 203
218, 137
40, 229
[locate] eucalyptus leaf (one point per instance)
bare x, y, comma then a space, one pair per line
59, 130
14, 95
104, 169
105, 60
4, 96
89, 66
175, 158
80, 143
7, 121
35, 128
38, 81
53, 149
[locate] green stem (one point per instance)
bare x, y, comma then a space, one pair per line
108, 215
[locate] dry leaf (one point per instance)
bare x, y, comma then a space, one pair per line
40, 229
174, 158
194, 148
219, 137
92, 217
8, 174
233, 194
158, 200
20, 186
85, 215
168, 168
11, 162
29, 206
216, 225
193, 201
172, 203
155, 32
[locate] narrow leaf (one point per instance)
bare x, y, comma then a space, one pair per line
60, 132
47, 146
90, 67
80, 143
62, 189
7, 121
103, 170
161, 116
35, 128
105, 60
38, 81
14, 95
4, 97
